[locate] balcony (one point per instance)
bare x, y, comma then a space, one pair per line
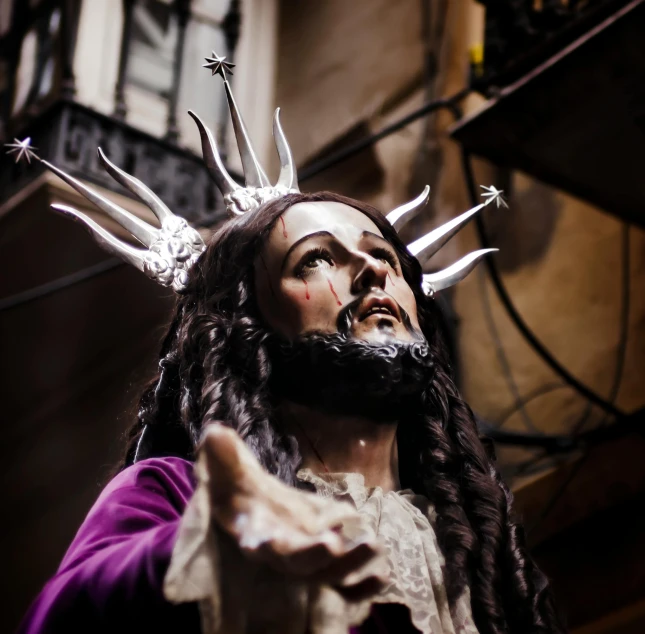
40, 97
68, 134
586, 136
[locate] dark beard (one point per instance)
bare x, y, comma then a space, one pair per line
339, 375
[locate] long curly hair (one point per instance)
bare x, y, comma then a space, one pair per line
214, 368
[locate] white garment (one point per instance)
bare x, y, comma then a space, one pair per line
403, 522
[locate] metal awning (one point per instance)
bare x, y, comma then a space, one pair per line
577, 121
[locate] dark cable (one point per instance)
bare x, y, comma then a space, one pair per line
521, 325
525, 400
550, 442
618, 373
502, 357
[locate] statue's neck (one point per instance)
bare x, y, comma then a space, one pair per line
344, 444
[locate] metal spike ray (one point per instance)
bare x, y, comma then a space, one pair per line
138, 188
434, 282
401, 215
257, 190
213, 160
141, 230
103, 237
288, 175
427, 245
253, 173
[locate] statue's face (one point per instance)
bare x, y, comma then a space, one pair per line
319, 258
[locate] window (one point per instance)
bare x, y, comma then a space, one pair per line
152, 47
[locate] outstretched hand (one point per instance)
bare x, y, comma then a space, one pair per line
293, 531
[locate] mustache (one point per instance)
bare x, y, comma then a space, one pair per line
347, 313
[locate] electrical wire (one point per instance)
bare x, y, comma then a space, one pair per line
519, 322
502, 357
618, 373
542, 390
552, 443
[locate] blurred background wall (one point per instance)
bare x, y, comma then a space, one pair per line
555, 117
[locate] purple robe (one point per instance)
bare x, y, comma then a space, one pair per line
111, 578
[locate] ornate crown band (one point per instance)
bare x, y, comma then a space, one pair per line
171, 250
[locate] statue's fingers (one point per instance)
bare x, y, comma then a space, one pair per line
356, 558
364, 589
229, 461
295, 553
312, 559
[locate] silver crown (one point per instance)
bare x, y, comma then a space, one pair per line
171, 250
175, 247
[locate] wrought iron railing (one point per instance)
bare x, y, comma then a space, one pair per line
68, 132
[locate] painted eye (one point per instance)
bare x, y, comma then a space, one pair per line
314, 260
385, 256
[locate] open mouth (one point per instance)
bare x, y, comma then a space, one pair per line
379, 310
383, 306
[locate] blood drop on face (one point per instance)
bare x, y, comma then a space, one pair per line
389, 278
306, 289
284, 229
331, 288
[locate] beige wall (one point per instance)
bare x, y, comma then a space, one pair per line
341, 63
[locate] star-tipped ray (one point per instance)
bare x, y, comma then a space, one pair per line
141, 230
426, 246
22, 149
218, 66
492, 194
